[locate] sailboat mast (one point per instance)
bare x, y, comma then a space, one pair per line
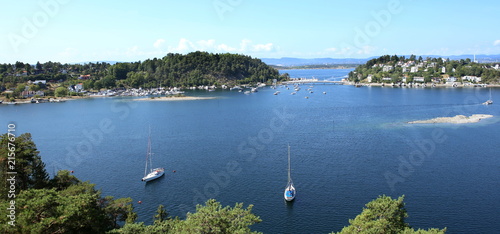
148, 154
289, 177
147, 158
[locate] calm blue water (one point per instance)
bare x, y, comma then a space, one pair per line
234, 148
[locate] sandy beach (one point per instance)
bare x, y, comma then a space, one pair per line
458, 119
181, 98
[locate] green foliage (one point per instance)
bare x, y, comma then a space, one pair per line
210, 218
193, 69
63, 180
161, 215
213, 218
197, 68
119, 210
63, 204
453, 68
49, 211
383, 215
29, 166
61, 92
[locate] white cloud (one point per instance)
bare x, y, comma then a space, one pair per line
210, 45
263, 47
496, 43
206, 44
183, 46
245, 44
225, 48
158, 43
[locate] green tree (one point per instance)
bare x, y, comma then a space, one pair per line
29, 167
213, 218
108, 81
98, 85
119, 210
61, 92
161, 214
34, 87
73, 210
208, 218
63, 180
383, 215
19, 89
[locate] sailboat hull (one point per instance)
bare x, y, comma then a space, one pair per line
154, 174
290, 193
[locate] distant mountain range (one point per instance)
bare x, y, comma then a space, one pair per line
288, 62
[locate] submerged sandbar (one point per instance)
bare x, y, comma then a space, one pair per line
458, 119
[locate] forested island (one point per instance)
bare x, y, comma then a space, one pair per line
399, 69
31, 202
23, 80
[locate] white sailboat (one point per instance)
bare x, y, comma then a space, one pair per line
290, 192
489, 101
153, 173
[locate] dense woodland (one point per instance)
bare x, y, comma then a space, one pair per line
430, 68
173, 70
64, 204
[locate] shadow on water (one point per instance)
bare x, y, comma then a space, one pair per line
153, 182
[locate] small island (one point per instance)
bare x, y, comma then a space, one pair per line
458, 119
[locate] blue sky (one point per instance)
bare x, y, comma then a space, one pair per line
76, 31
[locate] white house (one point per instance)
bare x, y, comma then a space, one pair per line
413, 69
472, 78
76, 88
387, 68
418, 79
40, 82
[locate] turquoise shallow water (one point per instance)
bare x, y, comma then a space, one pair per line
348, 146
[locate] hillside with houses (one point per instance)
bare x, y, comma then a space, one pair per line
401, 70
23, 80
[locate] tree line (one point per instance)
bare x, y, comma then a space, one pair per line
173, 70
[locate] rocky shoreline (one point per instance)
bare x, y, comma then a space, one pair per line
458, 119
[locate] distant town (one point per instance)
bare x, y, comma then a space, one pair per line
24, 83
399, 70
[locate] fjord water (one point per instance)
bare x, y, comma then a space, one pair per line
348, 146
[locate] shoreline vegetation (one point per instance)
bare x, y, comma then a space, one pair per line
458, 119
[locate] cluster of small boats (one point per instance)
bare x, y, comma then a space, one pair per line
137, 92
